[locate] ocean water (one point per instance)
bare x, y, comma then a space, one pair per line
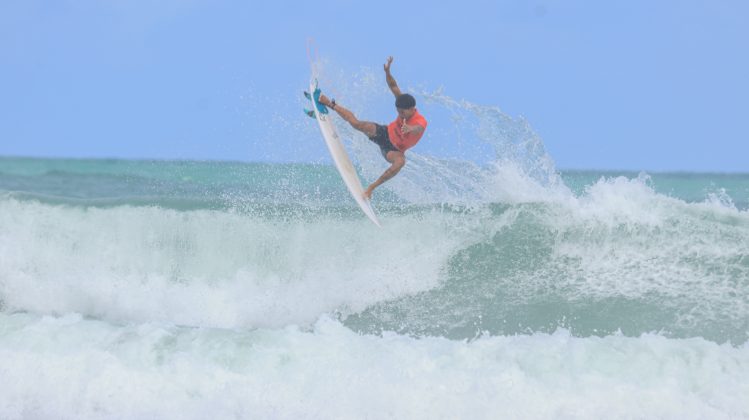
498, 289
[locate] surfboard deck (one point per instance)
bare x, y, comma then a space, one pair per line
340, 157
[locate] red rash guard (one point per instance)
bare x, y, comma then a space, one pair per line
402, 141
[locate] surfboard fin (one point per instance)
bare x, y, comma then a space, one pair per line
315, 98
310, 113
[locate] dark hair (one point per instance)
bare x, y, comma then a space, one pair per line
405, 101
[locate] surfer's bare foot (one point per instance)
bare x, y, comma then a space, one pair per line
368, 193
330, 103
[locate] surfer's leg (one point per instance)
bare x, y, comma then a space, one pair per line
397, 160
382, 139
368, 128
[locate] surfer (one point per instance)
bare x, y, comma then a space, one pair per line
400, 135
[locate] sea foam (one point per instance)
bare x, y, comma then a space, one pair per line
158, 371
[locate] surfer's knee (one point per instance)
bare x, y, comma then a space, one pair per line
365, 127
397, 159
368, 128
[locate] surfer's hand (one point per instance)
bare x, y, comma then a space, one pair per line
387, 65
406, 129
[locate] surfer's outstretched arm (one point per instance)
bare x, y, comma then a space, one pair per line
390, 79
397, 161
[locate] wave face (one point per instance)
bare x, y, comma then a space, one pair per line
500, 274
618, 257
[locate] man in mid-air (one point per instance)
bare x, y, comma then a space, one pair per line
399, 136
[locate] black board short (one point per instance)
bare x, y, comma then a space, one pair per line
382, 139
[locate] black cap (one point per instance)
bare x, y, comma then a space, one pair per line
405, 101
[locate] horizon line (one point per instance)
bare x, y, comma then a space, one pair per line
327, 163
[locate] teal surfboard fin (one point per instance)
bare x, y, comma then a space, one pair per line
315, 98
310, 113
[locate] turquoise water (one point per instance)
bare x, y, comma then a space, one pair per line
621, 252
247, 290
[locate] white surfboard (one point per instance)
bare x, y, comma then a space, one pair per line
340, 157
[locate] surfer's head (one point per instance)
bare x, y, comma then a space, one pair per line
405, 101
406, 105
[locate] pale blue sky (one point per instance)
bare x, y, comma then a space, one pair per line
641, 85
